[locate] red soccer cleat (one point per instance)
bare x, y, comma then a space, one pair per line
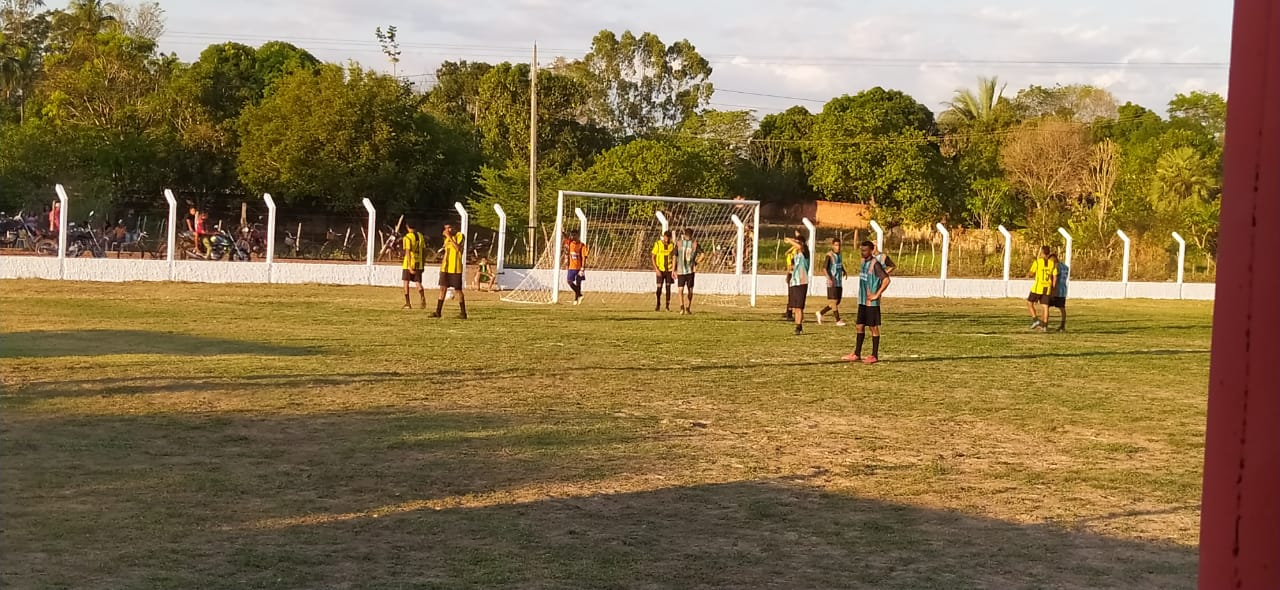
851, 357
871, 360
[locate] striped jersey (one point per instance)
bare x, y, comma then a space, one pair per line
452, 261
873, 275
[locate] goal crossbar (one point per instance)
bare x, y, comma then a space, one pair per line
659, 198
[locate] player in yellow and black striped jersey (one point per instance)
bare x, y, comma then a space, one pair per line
414, 261
451, 270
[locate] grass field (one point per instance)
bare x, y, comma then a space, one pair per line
197, 436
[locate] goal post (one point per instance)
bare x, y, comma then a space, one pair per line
619, 231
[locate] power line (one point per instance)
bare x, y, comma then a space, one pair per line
518, 52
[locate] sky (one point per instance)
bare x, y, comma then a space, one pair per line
1144, 51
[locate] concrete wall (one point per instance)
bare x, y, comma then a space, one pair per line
194, 271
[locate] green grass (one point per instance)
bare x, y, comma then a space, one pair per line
200, 436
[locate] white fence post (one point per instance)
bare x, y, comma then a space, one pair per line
62, 230
1067, 254
1182, 259
582, 224
1008, 255
755, 253
466, 238
879, 236
662, 219
738, 253
558, 246
369, 242
502, 238
946, 251
172, 243
1124, 269
271, 236
813, 245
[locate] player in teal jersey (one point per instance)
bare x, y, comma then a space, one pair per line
687, 253
1058, 298
872, 281
834, 268
797, 281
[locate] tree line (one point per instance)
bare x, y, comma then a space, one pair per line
88, 100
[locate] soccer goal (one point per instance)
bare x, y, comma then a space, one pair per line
619, 232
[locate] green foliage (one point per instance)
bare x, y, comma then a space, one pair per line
648, 167
880, 147
338, 135
780, 157
509, 187
640, 84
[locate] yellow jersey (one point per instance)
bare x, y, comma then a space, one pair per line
665, 255
414, 251
1043, 271
452, 261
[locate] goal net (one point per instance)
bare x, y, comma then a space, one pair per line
619, 232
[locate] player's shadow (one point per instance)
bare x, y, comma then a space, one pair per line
83, 343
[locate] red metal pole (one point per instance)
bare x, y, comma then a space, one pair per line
1240, 517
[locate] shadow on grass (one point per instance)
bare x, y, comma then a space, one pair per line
109, 342
413, 382
479, 500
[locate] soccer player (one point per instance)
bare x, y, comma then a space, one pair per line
834, 269
576, 255
687, 252
451, 271
797, 236
1041, 291
663, 262
873, 280
414, 261
797, 281
1059, 299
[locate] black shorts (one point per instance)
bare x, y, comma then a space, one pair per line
1038, 297
413, 276
684, 280
796, 295
451, 280
665, 278
835, 294
1058, 302
868, 315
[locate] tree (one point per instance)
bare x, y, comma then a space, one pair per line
457, 90
277, 59
880, 147
971, 105
390, 46
332, 137
640, 84
1080, 103
648, 167
566, 135
1092, 214
144, 21
1046, 160
780, 157
991, 201
1206, 110
1181, 175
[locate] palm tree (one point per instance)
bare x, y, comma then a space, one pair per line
971, 105
1182, 175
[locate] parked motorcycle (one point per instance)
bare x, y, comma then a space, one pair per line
80, 239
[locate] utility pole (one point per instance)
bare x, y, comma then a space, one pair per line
533, 156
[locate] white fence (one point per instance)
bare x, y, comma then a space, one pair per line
171, 269
126, 270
